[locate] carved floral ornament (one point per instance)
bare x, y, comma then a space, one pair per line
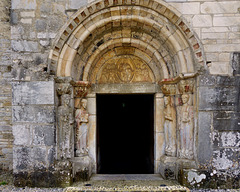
63, 88
179, 85
125, 69
81, 88
169, 89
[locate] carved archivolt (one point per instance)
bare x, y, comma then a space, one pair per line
125, 69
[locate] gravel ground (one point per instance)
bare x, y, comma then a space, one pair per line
8, 187
6, 177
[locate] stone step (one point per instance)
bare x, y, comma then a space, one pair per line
127, 183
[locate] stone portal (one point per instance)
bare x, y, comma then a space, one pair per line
125, 134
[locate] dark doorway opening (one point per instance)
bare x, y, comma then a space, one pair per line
125, 136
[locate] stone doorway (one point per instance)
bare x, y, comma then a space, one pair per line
125, 134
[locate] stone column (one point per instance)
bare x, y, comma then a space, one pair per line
64, 132
181, 90
167, 165
65, 119
158, 130
82, 163
92, 137
185, 113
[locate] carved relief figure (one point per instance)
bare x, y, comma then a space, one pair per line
142, 73
186, 128
65, 124
125, 70
170, 127
109, 74
81, 116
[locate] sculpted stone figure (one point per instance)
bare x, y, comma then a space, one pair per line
81, 116
65, 124
186, 129
170, 127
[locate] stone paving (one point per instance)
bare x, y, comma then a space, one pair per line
128, 182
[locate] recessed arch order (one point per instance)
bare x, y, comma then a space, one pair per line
152, 30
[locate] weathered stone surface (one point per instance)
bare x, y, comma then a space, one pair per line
25, 46
5, 128
220, 47
46, 7
219, 68
34, 114
63, 173
192, 178
14, 17
51, 153
27, 93
22, 135
226, 121
186, 164
187, 8
24, 4
207, 80
6, 137
226, 139
225, 21
82, 168
126, 88
218, 98
26, 21
208, 179
76, 4
220, 7
167, 167
227, 81
22, 159
202, 21
225, 159
236, 63
175, 0
41, 25
44, 135
205, 150
39, 157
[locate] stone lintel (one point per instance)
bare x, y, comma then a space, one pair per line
126, 88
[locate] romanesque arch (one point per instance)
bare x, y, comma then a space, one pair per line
146, 40
148, 26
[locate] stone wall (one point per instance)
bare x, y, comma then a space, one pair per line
33, 117
6, 137
217, 24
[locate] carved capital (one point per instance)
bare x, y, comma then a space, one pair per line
169, 89
63, 88
81, 88
186, 86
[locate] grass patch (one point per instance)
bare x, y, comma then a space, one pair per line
3, 183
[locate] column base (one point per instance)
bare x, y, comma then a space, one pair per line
82, 168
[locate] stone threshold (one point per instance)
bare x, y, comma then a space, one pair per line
127, 182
